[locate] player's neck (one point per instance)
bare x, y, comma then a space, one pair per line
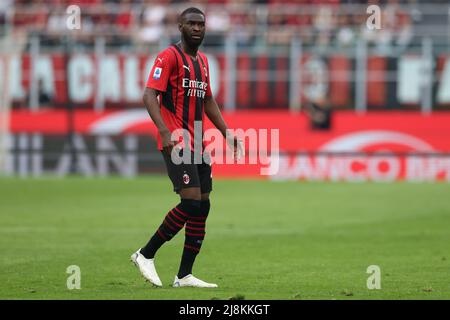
189, 50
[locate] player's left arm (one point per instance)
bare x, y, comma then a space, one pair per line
213, 113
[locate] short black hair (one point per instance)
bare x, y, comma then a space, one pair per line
190, 10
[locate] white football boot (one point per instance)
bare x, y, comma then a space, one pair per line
191, 281
146, 267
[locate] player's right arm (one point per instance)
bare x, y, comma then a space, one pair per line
156, 83
152, 104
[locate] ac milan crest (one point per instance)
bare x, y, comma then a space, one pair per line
186, 178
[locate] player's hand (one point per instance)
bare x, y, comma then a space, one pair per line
236, 145
167, 142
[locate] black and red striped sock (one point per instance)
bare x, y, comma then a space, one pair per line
173, 222
194, 236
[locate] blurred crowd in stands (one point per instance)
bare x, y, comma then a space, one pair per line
319, 23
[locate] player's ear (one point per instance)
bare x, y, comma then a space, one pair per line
180, 23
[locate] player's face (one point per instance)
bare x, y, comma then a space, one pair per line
192, 28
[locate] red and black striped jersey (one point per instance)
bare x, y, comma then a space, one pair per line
183, 84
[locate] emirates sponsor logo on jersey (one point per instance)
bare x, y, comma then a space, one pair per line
195, 88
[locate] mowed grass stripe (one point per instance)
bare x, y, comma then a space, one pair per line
265, 240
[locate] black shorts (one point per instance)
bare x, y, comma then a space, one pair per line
189, 175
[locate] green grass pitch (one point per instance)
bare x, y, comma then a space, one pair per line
265, 240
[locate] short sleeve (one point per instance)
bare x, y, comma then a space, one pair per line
161, 71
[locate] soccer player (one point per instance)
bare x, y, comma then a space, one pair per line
180, 77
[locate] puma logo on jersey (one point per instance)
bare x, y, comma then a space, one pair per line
186, 67
160, 59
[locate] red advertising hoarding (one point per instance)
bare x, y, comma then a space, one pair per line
377, 146
117, 80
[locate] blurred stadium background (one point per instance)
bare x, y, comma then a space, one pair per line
351, 104
313, 69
